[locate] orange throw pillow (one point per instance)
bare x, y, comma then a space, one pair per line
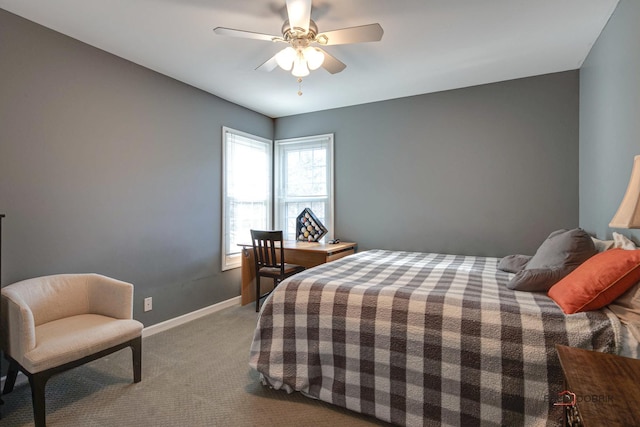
598, 281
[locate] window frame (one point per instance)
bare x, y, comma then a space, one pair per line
278, 198
233, 260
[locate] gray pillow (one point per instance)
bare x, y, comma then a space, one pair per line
514, 263
557, 256
568, 248
536, 279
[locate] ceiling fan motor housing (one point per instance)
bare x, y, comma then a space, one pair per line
289, 33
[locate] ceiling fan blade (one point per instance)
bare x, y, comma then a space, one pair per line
221, 31
331, 64
269, 65
361, 34
299, 12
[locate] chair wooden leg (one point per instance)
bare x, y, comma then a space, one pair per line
136, 350
12, 373
38, 383
38, 380
257, 293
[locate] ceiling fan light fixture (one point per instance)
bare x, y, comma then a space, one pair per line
300, 68
314, 57
285, 58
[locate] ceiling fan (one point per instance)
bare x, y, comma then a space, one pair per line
301, 33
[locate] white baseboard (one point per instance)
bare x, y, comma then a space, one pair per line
163, 326
185, 318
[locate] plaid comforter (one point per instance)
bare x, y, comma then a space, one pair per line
422, 339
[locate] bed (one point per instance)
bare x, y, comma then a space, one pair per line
423, 339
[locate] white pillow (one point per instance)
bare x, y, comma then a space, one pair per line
602, 245
621, 241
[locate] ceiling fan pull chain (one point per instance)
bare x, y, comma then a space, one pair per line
299, 86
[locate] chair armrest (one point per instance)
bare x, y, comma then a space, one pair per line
18, 325
110, 297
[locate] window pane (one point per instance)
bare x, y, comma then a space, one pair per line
306, 172
243, 217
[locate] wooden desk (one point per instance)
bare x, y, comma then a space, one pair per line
308, 254
607, 387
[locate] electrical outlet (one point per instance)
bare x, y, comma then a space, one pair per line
148, 304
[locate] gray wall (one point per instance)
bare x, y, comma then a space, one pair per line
486, 170
111, 168
610, 119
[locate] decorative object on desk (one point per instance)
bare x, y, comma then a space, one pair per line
308, 227
628, 214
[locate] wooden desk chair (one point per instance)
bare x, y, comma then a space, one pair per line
268, 252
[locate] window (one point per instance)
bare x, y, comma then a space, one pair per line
304, 178
246, 184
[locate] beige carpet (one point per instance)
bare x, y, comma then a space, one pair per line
196, 374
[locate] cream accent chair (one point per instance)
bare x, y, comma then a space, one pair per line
55, 323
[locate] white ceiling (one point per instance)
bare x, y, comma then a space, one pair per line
428, 45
